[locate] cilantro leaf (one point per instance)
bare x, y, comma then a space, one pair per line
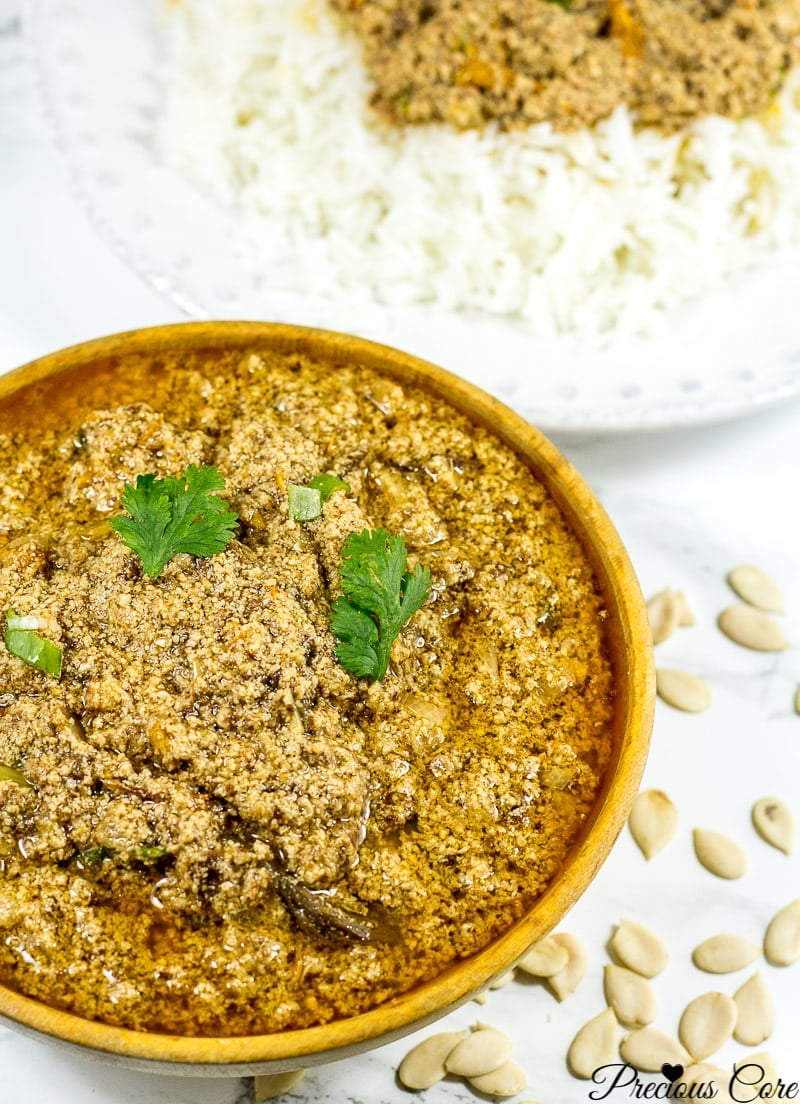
380, 595
174, 515
326, 483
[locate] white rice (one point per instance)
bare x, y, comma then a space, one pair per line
599, 231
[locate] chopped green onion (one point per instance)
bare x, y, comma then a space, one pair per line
148, 854
9, 774
26, 644
14, 621
305, 503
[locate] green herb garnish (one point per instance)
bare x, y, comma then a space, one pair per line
326, 484
94, 857
306, 502
380, 595
10, 774
174, 515
26, 644
149, 853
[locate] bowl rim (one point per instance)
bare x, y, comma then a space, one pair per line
232, 1055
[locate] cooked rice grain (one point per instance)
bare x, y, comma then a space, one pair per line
266, 110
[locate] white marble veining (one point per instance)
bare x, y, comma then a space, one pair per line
689, 505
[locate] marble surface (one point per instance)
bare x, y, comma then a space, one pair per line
688, 504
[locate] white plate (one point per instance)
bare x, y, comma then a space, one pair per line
100, 63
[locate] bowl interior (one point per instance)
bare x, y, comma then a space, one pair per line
93, 374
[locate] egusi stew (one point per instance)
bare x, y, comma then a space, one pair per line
304, 693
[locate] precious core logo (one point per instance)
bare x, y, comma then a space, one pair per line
746, 1085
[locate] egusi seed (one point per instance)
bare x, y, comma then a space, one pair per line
713, 1080
649, 1049
719, 854
503, 980
272, 1085
481, 1052
545, 958
686, 617
663, 613
756, 588
774, 822
752, 629
782, 941
682, 690
653, 821
639, 949
632, 999
725, 953
594, 1046
755, 1020
568, 979
507, 1080
707, 1023
756, 1070
667, 611
423, 1066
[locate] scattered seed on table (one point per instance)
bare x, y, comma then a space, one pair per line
545, 958
648, 1049
756, 588
566, 981
683, 691
686, 617
755, 1020
719, 854
752, 629
639, 949
271, 1085
774, 822
703, 1073
664, 614
423, 1066
707, 1024
756, 1070
507, 1080
481, 1052
594, 1046
630, 996
725, 953
653, 821
782, 940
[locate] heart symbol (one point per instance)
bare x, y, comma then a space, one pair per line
672, 1073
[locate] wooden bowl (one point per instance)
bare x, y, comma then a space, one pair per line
84, 372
